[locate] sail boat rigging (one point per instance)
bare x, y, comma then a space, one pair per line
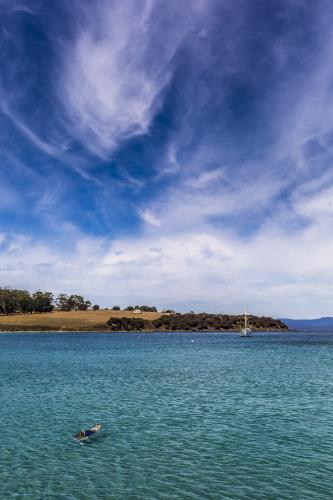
246, 331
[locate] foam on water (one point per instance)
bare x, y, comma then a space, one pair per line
184, 415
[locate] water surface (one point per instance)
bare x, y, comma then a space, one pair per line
186, 415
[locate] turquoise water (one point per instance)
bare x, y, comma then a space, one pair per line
186, 416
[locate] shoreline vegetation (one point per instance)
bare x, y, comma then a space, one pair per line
22, 311
199, 322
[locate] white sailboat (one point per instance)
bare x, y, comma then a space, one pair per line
246, 331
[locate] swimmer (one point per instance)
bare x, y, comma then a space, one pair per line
88, 432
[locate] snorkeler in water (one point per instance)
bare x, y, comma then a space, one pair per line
88, 432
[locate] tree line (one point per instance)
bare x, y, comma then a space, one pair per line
195, 322
15, 301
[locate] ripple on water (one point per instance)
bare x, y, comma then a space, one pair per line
185, 416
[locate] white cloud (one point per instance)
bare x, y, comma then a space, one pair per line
44, 146
192, 204
17, 6
278, 273
148, 217
114, 74
303, 101
2, 238
319, 205
207, 178
8, 197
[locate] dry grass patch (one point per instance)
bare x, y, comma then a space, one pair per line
67, 321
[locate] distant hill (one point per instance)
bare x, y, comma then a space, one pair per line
316, 324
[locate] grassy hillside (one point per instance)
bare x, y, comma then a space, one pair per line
67, 321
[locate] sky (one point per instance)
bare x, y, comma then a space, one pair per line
176, 154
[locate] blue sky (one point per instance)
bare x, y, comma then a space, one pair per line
171, 153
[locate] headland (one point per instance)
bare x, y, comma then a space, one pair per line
106, 320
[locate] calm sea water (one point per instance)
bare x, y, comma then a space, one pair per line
188, 416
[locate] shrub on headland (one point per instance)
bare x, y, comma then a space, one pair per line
194, 322
148, 308
127, 324
142, 308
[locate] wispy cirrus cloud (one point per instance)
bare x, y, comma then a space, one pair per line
34, 138
115, 70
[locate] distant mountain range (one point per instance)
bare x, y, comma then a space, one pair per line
317, 324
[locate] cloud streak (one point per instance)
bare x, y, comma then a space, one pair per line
115, 72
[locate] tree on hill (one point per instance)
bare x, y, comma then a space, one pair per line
72, 303
26, 302
63, 302
43, 301
15, 301
147, 308
8, 301
142, 308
